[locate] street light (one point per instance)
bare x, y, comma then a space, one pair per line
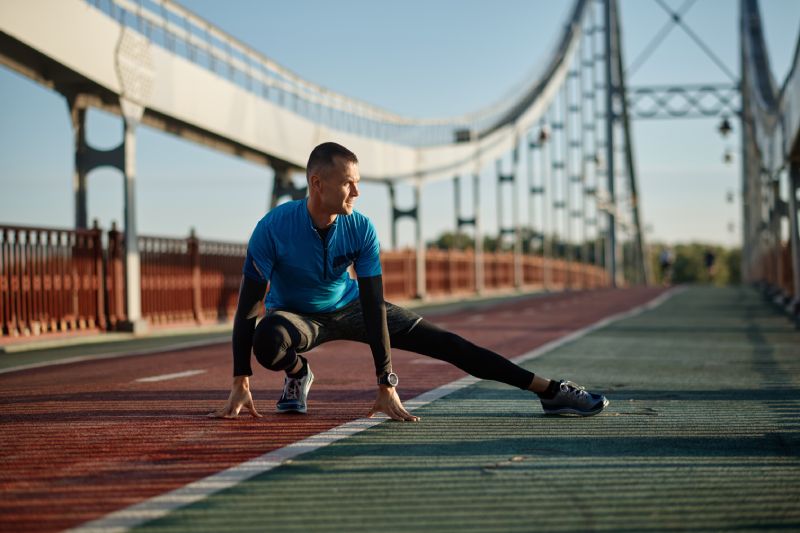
725, 127
544, 134
727, 157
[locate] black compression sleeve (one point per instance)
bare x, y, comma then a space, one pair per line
374, 310
251, 293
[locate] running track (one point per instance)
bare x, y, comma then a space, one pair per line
81, 440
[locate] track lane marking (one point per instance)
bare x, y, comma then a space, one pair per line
160, 506
116, 355
175, 375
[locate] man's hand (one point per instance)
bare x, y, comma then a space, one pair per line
240, 397
388, 402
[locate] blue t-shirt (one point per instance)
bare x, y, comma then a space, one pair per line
306, 274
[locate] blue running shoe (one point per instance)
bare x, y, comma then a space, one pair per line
572, 399
295, 394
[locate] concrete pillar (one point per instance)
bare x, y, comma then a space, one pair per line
566, 158
777, 212
457, 202
397, 213
282, 185
479, 274
611, 248
547, 206
393, 207
518, 272
132, 114
77, 114
421, 281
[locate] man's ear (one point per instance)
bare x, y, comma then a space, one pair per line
314, 182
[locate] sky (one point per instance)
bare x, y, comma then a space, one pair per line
417, 58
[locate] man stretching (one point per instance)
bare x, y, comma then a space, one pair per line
303, 250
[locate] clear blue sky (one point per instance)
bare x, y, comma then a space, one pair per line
415, 57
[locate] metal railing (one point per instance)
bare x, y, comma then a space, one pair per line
770, 127
66, 281
176, 29
50, 280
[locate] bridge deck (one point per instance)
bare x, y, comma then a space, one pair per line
702, 431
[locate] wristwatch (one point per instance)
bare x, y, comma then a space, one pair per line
389, 378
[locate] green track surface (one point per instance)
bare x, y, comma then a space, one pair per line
703, 433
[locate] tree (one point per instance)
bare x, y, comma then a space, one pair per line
689, 264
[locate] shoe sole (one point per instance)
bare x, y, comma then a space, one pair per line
302, 410
571, 411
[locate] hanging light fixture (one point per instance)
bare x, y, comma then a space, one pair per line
544, 134
725, 127
727, 157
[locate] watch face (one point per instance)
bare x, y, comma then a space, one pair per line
392, 379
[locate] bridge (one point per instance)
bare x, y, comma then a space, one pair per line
564, 136
702, 380
270, 115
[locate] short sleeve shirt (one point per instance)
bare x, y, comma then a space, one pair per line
307, 274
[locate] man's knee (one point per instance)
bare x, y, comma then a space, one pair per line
274, 342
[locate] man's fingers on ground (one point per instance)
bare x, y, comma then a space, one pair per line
408, 416
220, 413
252, 408
396, 414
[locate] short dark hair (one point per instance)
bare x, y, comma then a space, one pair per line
323, 157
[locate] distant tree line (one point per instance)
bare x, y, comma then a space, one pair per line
532, 243
688, 262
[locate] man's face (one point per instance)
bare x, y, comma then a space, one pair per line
339, 187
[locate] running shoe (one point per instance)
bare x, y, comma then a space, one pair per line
572, 399
295, 394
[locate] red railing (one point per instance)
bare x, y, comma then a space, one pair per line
219, 268
773, 267
399, 271
189, 280
50, 281
54, 280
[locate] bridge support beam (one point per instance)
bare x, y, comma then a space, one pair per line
414, 213
794, 234
132, 114
480, 277
474, 222
422, 287
514, 229
611, 247
283, 186
519, 278
123, 158
77, 116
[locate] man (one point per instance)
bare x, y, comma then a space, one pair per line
303, 250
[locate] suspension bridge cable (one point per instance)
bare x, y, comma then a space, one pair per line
658, 39
699, 42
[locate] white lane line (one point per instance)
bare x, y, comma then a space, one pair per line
176, 375
116, 355
162, 505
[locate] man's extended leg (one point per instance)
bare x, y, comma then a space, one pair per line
428, 339
557, 397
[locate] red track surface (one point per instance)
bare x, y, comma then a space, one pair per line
81, 440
